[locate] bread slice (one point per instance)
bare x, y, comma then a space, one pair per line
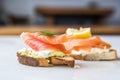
44, 62
112, 55
65, 61
26, 60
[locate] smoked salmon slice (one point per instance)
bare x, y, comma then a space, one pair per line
62, 42
86, 44
35, 44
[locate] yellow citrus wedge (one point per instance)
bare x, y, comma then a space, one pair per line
79, 33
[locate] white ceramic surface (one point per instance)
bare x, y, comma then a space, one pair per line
10, 69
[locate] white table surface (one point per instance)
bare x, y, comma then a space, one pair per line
10, 69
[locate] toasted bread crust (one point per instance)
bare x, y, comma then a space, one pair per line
112, 55
26, 60
65, 61
30, 61
76, 56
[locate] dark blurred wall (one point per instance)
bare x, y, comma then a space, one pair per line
2, 22
26, 7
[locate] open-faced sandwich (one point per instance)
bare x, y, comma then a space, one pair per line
47, 49
88, 47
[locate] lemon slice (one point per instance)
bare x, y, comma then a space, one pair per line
79, 33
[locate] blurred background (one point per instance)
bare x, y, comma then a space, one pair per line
42, 13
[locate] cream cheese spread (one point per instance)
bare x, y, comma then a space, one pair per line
41, 54
35, 54
92, 51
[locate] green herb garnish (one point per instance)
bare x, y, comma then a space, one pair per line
47, 33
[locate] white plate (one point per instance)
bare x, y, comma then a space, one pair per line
10, 69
